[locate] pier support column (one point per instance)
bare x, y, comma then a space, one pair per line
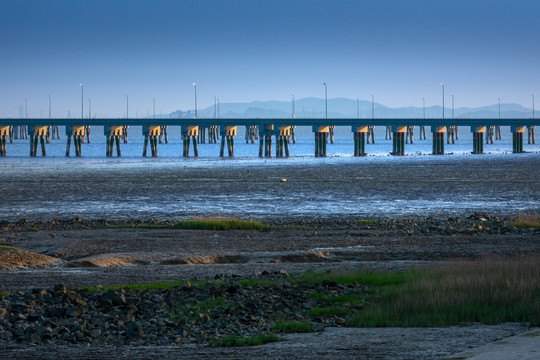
438, 139
151, 134
113, 133
37, 133
517, 139
4, 134
282, 141
530, 133
331, 134
77, 133
188, 133
478, 139
398, 141
265, 140
321, 139
359, 140
227, 137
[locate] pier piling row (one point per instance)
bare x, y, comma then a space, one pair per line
399, 130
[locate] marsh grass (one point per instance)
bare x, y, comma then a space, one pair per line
330, 311
294, 327
526, 220
490, 290
366, 222
372, 278
245, 341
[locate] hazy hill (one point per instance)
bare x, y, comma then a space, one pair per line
347, 108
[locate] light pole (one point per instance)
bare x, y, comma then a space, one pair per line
442, 84
293, 109
215, 107
49, 106
89, 108
195, 88
127, 107
325, 100
218, 108
154, 101
372, 107
82, 101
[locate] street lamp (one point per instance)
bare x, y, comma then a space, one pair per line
154, 100
293, 109
218, 108
127, 107
442, 84
82, 101
49, 106
89, 108
215, 107
372, 107
326, 100
195, 88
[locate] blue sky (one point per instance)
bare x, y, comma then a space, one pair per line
246, 50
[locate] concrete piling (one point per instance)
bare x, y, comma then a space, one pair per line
398, 143
478, 139
359, 140
77, 133
113, 133
4, 134
530, 135
321, 139
37, 134
438, 139
227, 137
189, 132
517, 138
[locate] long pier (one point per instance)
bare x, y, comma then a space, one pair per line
281, 129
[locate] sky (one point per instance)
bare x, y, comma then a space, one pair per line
247, 50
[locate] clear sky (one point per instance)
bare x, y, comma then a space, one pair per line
244, 50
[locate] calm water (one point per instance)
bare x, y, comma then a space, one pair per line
246, 186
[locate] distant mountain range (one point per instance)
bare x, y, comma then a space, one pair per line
347, 108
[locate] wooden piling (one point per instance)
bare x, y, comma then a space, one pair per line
145, 145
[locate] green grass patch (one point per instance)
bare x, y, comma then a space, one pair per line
7, 247
294, 327
330, 311
366, 222
245, 341
4, 293
203, 224
490, 291
257, 282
